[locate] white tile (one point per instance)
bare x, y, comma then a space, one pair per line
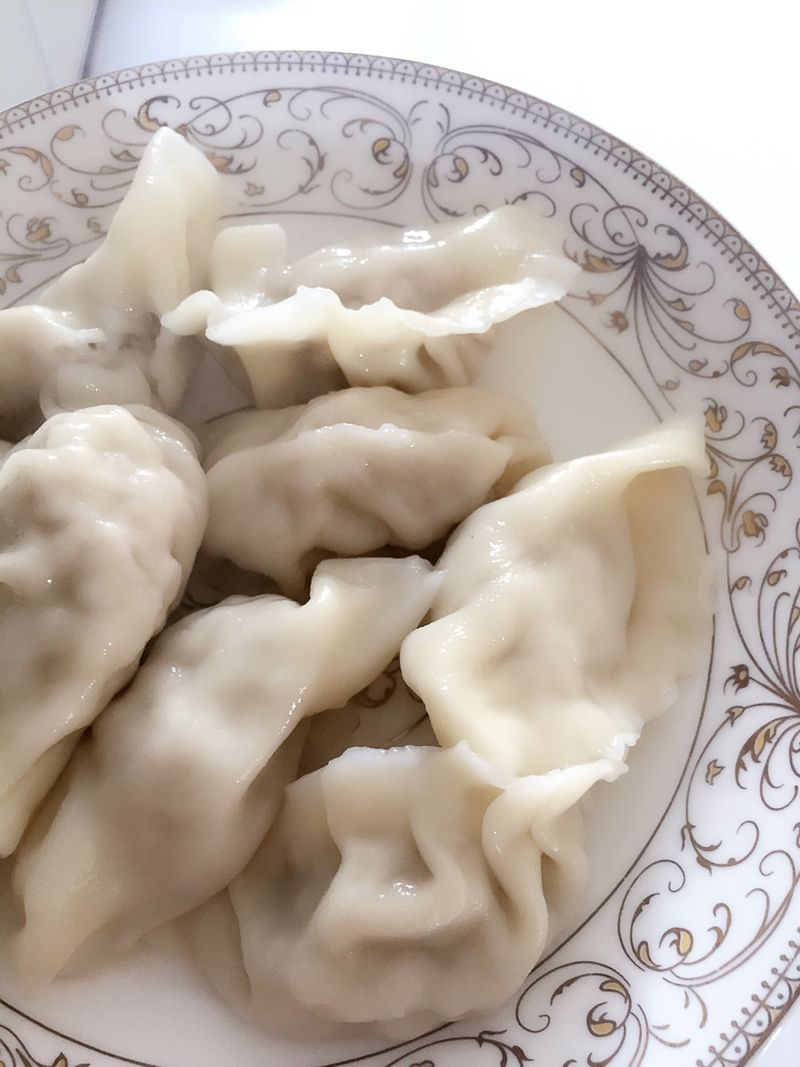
42, 45
23, 65
63, 28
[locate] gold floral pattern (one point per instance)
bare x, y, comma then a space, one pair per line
705, 954
13, 1053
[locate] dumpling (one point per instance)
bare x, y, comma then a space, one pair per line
34, 341
240, 261
569, 609
101, 514
172, 792
397, 889
384, 715
154, 255
464, 263
244, 264
358, 470
95, 335
415, 315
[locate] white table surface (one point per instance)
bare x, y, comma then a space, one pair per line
709, 89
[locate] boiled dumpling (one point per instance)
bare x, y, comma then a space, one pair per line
384, 715
358, 470
95, 335
398, 889
154, 255
101, 514
473, 263
34, 341
244, 263
415, 315
569, 609
169, 796
240, 260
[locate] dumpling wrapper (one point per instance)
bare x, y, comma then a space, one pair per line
34, 342
327, 321
94, 336
569, 609
168, 798
101, 515
463, 263
397, 889
357, 471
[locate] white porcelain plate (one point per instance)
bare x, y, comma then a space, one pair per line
688, 950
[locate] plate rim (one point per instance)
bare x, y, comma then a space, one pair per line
645, 167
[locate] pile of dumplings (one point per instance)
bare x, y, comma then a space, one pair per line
369, 520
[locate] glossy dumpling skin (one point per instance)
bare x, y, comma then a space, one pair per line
101, 515
397, 889
95, 336
465, 262
356, 471
34, 342
155, 254
169, 796
569, 609
415, 314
